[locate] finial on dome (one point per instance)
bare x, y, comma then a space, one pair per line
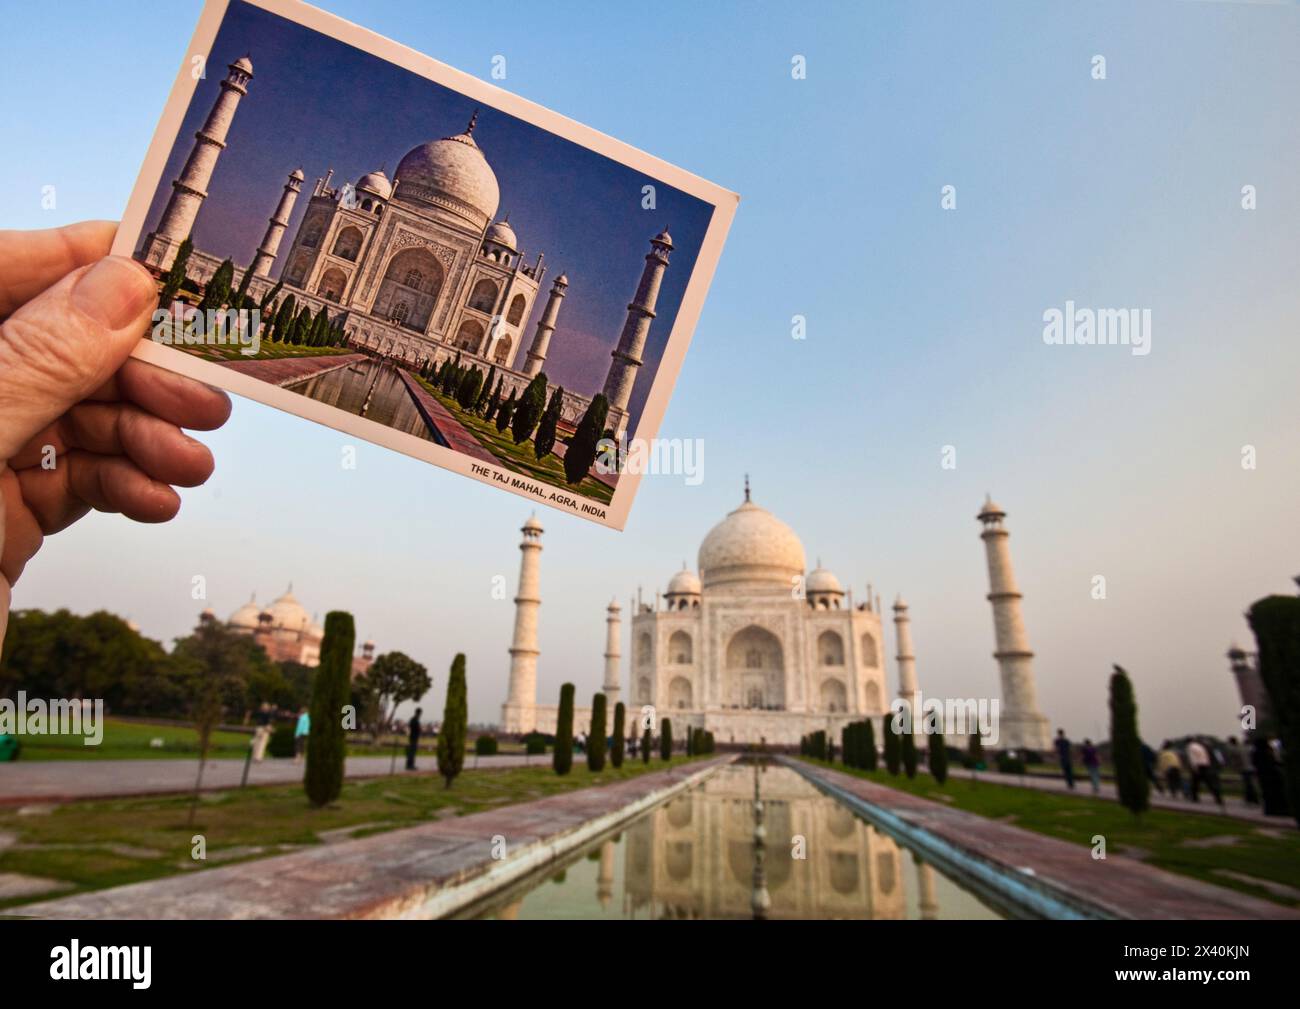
746, 488
473, 121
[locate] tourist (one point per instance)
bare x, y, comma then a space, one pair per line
1063, 755
1170, 767
1272, 788
1092, 761
413, 739
300, 734
60, 292
1203, 771
1149, 766
1239, 759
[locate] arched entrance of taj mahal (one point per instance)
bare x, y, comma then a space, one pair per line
754, 674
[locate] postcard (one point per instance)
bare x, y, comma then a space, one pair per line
357, 234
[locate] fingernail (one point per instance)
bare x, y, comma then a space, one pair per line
114, 292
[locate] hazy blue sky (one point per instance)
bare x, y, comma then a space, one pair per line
924, 330
312, 105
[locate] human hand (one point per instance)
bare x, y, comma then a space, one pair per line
83, 425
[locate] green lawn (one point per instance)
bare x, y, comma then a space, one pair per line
131, 741
92, 845
1193, 844
267, 352
518, 458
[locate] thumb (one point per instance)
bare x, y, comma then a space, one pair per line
64, 344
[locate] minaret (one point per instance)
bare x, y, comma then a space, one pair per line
612, 635
519, 713
640, 313
545, 327
191, 189
906, 660
1022, 725
279, 221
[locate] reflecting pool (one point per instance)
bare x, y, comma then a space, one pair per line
694, 857
369, 389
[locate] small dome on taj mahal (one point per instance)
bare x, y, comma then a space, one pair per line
377, 183
684, 583
501, 233
821, 580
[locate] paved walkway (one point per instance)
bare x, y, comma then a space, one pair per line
448, 429
1232, 806
1117, 886
40, 781
401, 873
284, 371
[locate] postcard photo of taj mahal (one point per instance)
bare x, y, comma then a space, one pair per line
359, 235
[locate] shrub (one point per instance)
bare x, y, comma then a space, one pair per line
468, 389
455, 715
586, 440
666, 739
1126, 745
326, 745
1275, 622
505, 412
528, 411
563, 758
281, 742
596, 737
891, 741
616, 749
1008, 764
938, 758
870, 758
485, 746
534, 743
544, 443
909, 753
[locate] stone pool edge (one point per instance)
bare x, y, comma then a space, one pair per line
539, 854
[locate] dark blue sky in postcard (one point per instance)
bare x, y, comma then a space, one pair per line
317, 103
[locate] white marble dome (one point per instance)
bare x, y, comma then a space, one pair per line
452, 174
684, 583
377, 183
245, 617
751, 545
287, 612
501, 233
821, 580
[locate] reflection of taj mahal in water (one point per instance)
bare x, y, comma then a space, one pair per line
694, 858
419, 266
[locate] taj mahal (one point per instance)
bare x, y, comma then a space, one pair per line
419, 265
755, 647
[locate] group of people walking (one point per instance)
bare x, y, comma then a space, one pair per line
1184, 770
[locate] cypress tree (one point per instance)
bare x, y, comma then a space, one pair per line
326, 745
503, 414
467, 393
666, 739
586, 440
269, 299
450, 379
892, 754
284, 317
455, 715
176, 275
545, 440
529, 409
596, 737
909, 752
846, 744
494, 403
690, 741
301, 326
632, 735
563, 759
870, 759
242, 293
975, 749
938, 757
217, 291
486, 390
647, 743
616, 749
1275, 622
1126, 745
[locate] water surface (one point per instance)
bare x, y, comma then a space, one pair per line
369, 389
